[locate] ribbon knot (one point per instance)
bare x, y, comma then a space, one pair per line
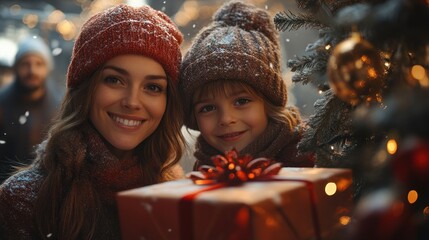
234, 169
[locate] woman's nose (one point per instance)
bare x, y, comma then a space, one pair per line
132, 100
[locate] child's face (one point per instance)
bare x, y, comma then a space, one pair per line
129, 101
231, 120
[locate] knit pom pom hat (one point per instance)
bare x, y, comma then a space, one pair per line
125, 30
240, 44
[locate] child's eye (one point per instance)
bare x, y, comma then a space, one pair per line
207, 108
241, 101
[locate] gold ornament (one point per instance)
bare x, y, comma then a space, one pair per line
355, 71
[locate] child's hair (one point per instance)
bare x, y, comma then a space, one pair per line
241, 44
226, 88
68, 205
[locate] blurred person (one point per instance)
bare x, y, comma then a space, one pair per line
27, 105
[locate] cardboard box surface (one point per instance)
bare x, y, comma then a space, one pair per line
298, 205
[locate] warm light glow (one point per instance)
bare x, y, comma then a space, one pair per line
344, 220
372, 73
251, 175
412, 196
358, 64
391, 146
343, 184
327, 47
30, 20
187, 13
330, 188
365, 59
418, 72
67, 29
56, 16
231, 166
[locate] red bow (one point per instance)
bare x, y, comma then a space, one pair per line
233, 169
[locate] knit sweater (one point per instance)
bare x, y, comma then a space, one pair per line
109, 175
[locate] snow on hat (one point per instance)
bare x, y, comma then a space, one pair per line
34, 45
240, 44
125, 30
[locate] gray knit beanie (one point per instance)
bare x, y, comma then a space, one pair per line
34, 45
240, 44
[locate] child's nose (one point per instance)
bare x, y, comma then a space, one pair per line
227, 118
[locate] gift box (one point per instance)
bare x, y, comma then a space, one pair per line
298, 203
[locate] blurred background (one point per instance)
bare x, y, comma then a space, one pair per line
59, 22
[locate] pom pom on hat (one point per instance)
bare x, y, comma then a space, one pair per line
240, 44
34, 45
125, 30
248, 18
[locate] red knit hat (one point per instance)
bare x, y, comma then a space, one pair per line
240, 44
125, 30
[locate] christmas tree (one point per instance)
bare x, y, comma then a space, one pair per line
371, 61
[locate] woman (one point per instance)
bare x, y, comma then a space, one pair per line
119, 128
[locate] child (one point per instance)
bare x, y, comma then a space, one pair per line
233, 90
119, 128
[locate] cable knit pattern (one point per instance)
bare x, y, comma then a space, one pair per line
106, 172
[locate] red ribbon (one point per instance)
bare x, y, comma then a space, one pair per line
186, 213
233, 169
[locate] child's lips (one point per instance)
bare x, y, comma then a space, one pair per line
233, 136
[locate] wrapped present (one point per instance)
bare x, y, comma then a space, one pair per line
240, 198
297, 203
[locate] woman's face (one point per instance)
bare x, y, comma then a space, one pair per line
129, 101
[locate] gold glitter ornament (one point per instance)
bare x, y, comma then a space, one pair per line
355, 71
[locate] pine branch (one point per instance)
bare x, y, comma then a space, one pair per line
309, 69
288, 21
331, 121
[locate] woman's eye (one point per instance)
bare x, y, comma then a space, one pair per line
154, 88
242, 101
207, 108
112, 80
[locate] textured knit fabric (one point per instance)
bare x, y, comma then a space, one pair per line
125, 30
240, 44
106, 172
34, 45
278, 143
